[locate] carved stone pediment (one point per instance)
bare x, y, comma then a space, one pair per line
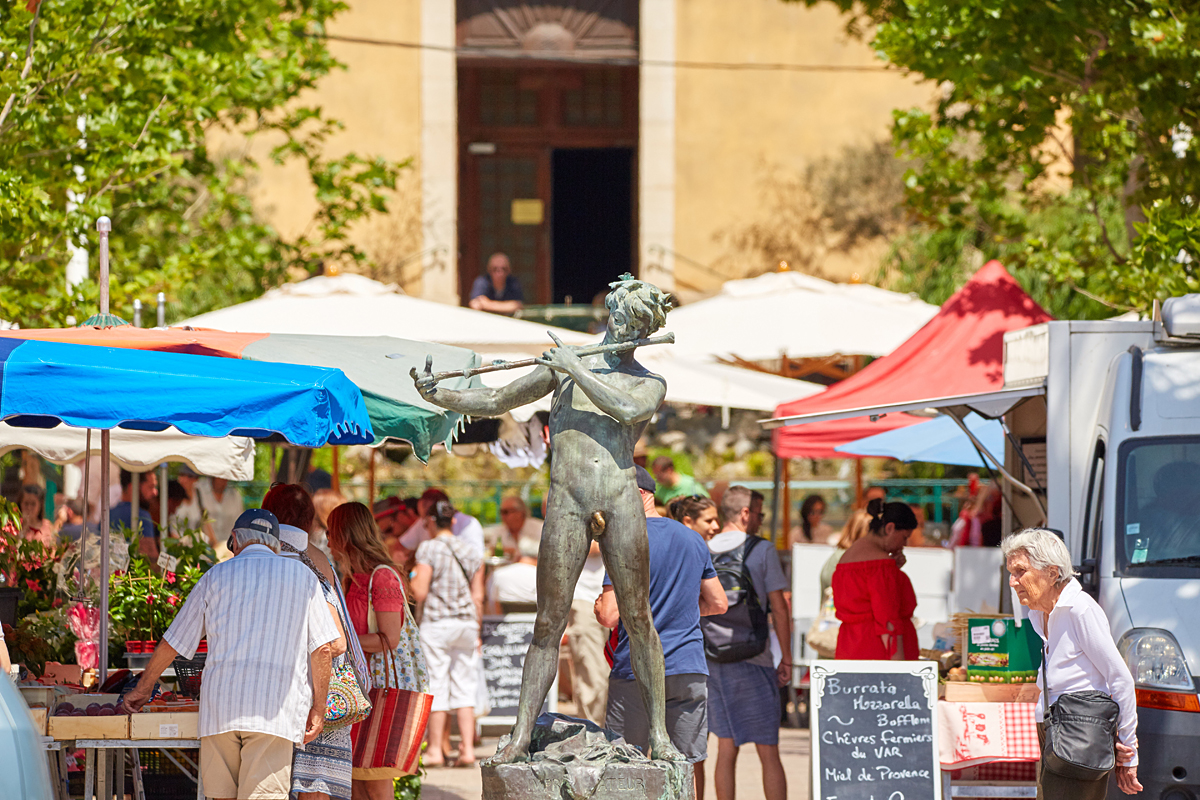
581, 28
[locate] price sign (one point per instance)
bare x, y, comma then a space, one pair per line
167, 561
874, 730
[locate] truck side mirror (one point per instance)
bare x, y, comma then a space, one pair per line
1089, 576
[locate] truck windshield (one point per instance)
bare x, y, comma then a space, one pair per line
1158, 498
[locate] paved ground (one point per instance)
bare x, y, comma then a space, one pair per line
465, 784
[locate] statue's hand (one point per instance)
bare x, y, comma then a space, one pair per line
560, 358
425, 382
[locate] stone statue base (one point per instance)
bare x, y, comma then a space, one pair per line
574, 759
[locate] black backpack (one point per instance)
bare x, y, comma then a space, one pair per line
742, 631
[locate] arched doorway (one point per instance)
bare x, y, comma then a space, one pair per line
548, 133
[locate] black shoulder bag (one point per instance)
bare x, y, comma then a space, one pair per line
1080, 730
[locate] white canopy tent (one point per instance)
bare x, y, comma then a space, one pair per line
691, 380
788, 313
138, 451
354, 305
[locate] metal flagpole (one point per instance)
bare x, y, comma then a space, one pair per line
104, 227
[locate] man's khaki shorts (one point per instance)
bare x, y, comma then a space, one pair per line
246, 766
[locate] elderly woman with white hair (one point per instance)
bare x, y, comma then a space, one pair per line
1080, 658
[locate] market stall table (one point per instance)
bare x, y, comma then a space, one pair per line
988, 747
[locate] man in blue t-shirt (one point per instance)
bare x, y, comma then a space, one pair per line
683, 586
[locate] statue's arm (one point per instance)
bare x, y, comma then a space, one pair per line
486, 402
626, 407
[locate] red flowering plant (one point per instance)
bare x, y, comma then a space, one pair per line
26, 564
144, 599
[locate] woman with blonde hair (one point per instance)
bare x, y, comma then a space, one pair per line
855, 529
373, 583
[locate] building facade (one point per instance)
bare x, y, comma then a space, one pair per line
585, 138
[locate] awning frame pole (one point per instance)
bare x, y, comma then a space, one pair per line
998, 464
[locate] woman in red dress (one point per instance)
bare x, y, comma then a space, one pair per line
874, 599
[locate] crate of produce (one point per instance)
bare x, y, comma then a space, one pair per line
997, 651
87, 716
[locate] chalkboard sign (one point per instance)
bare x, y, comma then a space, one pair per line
874, 730
506, 639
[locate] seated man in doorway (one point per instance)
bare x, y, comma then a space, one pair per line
498, 291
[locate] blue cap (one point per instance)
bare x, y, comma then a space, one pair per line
257, 520
644, 480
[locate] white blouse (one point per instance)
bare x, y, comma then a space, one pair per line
1084, 657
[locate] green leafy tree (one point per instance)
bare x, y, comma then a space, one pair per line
114, 107
1061, 140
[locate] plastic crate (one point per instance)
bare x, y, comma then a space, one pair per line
188, 674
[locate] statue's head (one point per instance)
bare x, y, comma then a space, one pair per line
636, 309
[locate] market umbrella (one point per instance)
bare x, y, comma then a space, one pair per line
937, 441
355, 305
378, 365
796, 315
231, 457
46, 384
43, 384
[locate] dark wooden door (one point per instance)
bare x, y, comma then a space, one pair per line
511, 120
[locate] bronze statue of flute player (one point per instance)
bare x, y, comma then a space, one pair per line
602, 403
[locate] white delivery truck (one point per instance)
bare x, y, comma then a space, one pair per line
1102, 426
1113, 445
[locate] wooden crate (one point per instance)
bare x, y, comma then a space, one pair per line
66, 728
39, 715
968, 692
165, 725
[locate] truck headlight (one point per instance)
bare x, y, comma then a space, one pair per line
1156, 659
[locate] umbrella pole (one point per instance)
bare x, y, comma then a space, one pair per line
104, 480
371, 481
337, 480
858, 489
81, 591
104, 226
787, 499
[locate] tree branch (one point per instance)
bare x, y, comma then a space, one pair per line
1095, 209
149, 119
37, 12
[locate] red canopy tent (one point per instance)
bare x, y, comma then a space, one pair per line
960, 351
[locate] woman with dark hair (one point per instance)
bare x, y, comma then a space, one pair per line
373, 583
34, 525
449, 580
696, 512
874, 599
811, 528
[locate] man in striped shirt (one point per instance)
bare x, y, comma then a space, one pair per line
266, 677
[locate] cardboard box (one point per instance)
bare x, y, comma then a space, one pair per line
165, 725
997, 651
965, 692
66, 728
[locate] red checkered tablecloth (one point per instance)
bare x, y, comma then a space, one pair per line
983, 733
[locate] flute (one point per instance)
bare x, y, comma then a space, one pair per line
594, 350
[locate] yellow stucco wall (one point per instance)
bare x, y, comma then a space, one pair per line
377, 97
734, 126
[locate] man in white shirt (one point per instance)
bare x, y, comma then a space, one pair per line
189, 515
515, 525
513, 587
266, 678
464, 526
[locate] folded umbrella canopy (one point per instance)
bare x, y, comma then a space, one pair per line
937, 441
43, 384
